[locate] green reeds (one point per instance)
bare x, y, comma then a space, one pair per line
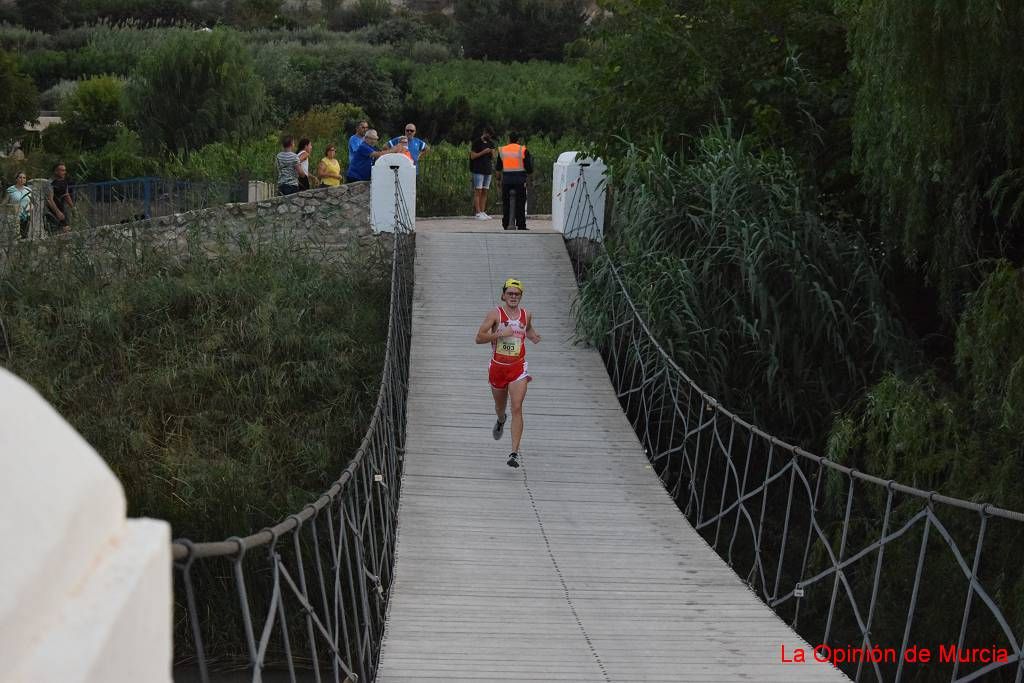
781, 316
224, 390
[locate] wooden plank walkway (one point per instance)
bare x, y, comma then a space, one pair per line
576, 567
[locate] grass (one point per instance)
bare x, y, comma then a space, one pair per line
224, 391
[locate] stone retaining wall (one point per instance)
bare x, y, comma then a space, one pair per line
323, 221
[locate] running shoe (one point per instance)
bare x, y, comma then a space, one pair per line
513, 459
482, 216
499, 427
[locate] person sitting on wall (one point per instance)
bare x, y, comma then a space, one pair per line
20, 195
58, 201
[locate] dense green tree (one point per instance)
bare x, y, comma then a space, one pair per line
346, 79
518, 30
20, 100
252, 13
45, 16
359, 14
960, 435
663, 70
196, 88
93, 110
939, 132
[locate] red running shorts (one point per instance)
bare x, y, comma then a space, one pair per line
500, 376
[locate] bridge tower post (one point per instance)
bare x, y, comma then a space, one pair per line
86, 592
578, 188
385, 186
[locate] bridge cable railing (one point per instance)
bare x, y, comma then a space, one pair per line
810, 536
309, 594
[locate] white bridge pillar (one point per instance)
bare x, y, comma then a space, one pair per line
578, 189
384, 188
86, 593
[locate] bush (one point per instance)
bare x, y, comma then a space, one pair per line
196, 88
327, 123
118, 158
93, 110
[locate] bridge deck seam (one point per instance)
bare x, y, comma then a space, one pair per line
561, 579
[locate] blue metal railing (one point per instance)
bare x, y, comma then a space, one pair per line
131, 199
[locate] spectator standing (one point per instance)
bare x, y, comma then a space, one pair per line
58, 201
329, 168
481, 166
20, 195
357, 138
515, 164
304, 150
400, 148
287, 162
413, 144
361, 160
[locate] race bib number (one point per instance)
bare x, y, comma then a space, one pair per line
510, 346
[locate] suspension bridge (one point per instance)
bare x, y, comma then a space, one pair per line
650, 535
578, 566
